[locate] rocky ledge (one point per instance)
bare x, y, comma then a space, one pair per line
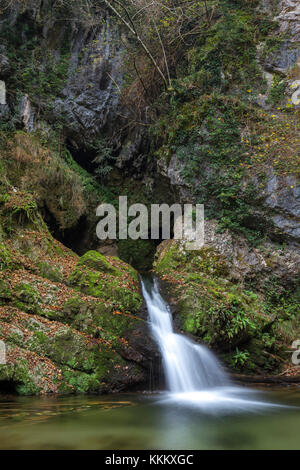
70, 324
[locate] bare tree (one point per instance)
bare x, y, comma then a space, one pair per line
128, 21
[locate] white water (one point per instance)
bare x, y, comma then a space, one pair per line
193, 374
188, 366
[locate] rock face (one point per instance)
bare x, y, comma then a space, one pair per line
250, 263
85, 50
288, 53
289, 18
2, 93
74, 324
282, 196
90, 98
194, 163
4, 64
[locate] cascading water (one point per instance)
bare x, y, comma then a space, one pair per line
194, 376
188, 366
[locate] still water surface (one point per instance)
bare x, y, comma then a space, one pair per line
143, 421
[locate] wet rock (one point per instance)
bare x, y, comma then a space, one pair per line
283, 58
231, 295
108, 248
247, 262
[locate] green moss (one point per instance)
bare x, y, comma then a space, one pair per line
96, 261
5, 292
26, 298
138, 253
49, 272
205, 261
98, 319
217, 312
223, 314
16, 336
277, 91
107, 282
24, 380
7, 259
82, 382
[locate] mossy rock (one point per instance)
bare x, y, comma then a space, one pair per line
222, 314
50, 272
94, 260
108, 289
26, 298
5, 292
98, 319
138, 253
7, 259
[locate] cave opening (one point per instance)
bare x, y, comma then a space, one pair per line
76, 238
83, 156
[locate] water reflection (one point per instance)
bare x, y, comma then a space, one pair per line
152, 422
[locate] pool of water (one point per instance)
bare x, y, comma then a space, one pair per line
153, 421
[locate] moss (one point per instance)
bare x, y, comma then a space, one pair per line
5, 291
24, 380
217, 312
50, 272
16, 336
39, 343
6, 373
81, 382
205, 261
26, 298
98, 319
220, 313
115, 284
7, 259
277, 91
138, 253
94, 260
20, 209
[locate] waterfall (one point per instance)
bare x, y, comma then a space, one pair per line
188, 367
194, 375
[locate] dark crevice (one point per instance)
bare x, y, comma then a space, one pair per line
75, 238
8, 387
83, 156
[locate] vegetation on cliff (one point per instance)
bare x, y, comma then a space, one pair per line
237, 306
164, 101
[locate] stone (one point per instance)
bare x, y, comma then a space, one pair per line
289, 18
283, 58
26, 113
